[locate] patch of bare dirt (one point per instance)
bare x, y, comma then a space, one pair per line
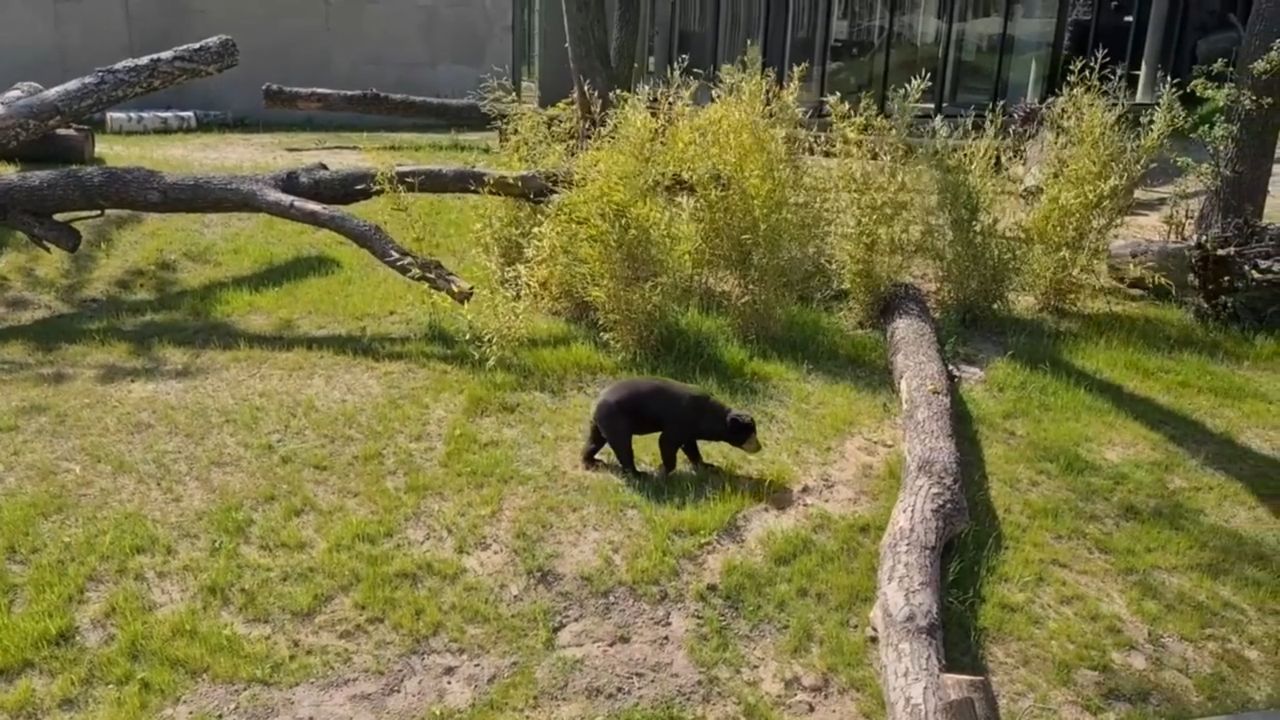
798, 692
839, 488
414, 687
618, 651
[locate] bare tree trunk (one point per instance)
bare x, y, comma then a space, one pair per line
31, 117
930, 511
29, 201
626, 39
589, 61
371, 102
1240, 192
71, 146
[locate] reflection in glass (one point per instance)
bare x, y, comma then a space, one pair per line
973, 53
859, 29
806, 42
696, 34
914, 44
1026, 69
528, 28
741, 25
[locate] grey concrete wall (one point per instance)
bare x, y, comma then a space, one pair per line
425, 47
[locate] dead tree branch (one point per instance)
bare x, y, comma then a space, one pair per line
930, 511
469, 113
30, 117
29, 201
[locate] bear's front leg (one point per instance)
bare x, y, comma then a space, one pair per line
692, 452
668, 445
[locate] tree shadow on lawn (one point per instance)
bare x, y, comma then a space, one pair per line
700, 349
1039, 346
689, 487
969, 558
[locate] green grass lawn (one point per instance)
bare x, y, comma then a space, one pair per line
246, 469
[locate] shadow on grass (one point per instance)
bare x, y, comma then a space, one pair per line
970, 558
696, 350
1036, 345
700, 348
687, 487
127, 321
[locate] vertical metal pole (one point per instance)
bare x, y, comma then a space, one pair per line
888, 49
946, 21
1006, 47
1151, 51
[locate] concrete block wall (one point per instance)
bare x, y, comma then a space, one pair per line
424, 47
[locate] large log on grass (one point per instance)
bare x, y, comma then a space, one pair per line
930, 511
30, 117
64, 146
1154, 266
467, 113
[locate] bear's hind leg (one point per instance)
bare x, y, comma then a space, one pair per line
595, 443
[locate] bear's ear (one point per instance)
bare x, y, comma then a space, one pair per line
741, 421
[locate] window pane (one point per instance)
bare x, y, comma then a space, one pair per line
915, 44
1031, 27
742, 24
973, 53
696, 34
859, 29
806, 36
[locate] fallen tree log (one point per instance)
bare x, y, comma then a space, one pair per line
29, 201
469, 113
930, 511
65, 146
1237, 274
30, 117
74, 145
1153, 266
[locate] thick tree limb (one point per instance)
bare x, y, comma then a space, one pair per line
71, 146
29, 201
930, 511
42, 230
346, 186
30, 117
372, 102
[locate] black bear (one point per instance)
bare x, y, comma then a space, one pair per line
682, 414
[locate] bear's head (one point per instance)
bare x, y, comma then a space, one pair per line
742, 432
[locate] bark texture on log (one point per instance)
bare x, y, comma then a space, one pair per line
64, 146
930, 511
28, 118
29, 201
1153, 266
67, 146
469, 113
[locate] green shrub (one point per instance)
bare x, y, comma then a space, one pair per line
734, 209
975, 250
876, 209
673, 206
1092, 156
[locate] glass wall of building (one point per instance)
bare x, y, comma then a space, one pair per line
975, 52
859, 41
